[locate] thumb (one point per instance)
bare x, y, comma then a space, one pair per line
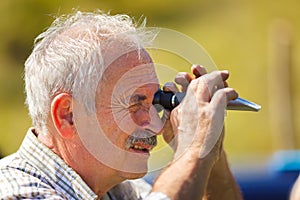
170, 87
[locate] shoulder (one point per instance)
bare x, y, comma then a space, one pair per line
19, 179
14, 169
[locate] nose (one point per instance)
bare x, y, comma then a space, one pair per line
142, 118
148, 119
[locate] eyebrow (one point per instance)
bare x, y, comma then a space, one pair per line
137, 98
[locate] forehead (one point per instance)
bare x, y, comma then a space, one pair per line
139, 80
132, 65
130, 60
128, 74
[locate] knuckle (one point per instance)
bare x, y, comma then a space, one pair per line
194, 83
221, 94
207, 113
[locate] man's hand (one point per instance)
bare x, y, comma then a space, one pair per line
183, 79
200, 116
207, 85
198, 129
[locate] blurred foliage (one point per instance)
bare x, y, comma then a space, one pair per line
234, 32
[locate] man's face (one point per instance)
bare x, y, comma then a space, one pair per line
125, 112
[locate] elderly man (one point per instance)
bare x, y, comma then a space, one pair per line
90, 85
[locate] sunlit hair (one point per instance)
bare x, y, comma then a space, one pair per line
70, 54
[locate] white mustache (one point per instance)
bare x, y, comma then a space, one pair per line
147, 137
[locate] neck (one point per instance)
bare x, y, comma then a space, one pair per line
74, 154
103, 181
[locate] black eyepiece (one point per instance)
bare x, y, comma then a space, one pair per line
166, 99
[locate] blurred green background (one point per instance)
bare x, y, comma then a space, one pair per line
238, 35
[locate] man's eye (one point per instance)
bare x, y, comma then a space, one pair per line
136, 107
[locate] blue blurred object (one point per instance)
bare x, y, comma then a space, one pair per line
285, 161
272, 182
275, 182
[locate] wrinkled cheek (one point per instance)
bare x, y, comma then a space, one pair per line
156, 123
127, 123
124, 120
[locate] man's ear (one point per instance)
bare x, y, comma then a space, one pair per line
62, 115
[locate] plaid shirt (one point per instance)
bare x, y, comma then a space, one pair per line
35, 172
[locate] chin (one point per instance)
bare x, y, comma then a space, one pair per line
127, 175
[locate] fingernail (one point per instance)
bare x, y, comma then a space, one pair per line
168, 84
225, 71
180, 75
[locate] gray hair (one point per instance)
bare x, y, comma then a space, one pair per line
69, 54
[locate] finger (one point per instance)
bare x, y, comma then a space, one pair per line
224, 74
205, 86
183, 79
198, 70
170, 87
215, 80
222, 97
167, 132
